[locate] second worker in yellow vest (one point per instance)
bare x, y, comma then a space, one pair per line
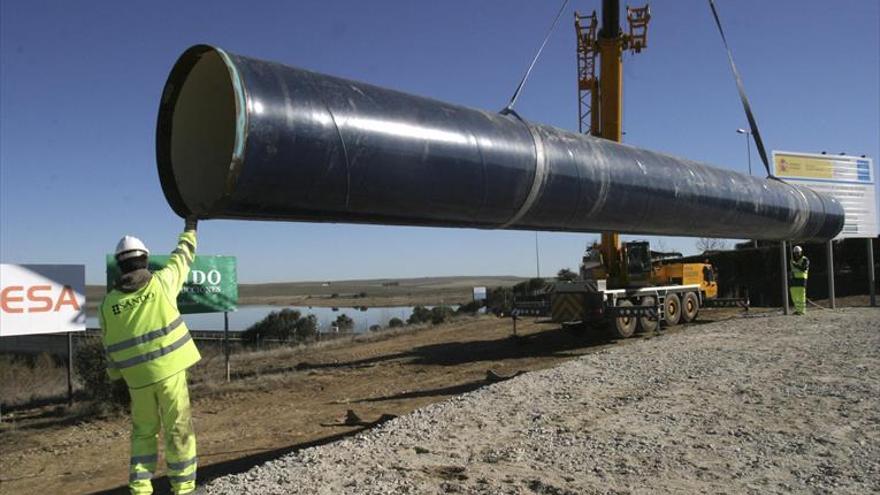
800, 267
149, 346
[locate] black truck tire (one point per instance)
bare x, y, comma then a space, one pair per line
645, 323
672, 309
690, 307
624, 326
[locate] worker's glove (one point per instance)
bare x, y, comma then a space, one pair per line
192, 223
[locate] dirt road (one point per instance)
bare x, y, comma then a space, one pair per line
284, 400
758, 405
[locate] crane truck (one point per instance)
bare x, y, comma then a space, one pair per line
632, 289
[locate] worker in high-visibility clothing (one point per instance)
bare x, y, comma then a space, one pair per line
800, 266
149, 346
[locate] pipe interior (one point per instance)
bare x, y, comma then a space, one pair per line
203, 133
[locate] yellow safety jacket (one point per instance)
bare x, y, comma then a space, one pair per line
799, 271
145, 338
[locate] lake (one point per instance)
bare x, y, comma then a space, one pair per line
248, 315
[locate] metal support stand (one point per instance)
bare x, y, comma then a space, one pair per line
784, 265
872, 290
69, 368
831, 275
226, 343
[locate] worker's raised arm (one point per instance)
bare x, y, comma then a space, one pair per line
174, 274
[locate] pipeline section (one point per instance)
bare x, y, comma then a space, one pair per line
242, 138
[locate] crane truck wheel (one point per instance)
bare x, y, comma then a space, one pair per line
690, 307
645, 323
624, 326
672, 310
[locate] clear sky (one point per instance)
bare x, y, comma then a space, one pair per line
81, 83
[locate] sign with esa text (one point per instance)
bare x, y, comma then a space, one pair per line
210, 287
42, 299
851, 180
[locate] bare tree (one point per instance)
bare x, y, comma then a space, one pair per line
710, 244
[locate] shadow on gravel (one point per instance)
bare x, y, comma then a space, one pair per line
459, 389
234, 466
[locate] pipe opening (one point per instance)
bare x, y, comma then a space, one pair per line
197, 132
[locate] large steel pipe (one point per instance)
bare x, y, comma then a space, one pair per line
243, 138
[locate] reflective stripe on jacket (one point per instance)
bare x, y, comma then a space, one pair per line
800, 268
145, 338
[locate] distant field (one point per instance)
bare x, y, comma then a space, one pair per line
372, 293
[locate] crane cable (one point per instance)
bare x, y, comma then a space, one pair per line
759, 143
509, 108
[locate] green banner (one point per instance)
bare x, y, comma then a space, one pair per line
211, 287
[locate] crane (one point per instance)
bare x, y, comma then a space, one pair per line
600, 99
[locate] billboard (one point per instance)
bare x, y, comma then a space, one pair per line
211, 287
38, 299
850, 179
479, 293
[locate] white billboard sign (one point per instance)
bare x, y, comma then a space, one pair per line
850, 179
479, 293
42, 299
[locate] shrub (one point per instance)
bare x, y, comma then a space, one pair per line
470, 308
286, 325
441, 314
90, 366
344, 323
306, 328
395, 323
420, 314
436, 315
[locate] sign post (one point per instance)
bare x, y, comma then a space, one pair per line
226, 343
849, 179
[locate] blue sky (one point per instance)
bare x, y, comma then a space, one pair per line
80, 85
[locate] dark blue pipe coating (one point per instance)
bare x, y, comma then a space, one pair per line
309, 147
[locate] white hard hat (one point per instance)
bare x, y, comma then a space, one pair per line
797, 250
129, 247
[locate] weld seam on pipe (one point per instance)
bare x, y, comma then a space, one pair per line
311, 79
537, 181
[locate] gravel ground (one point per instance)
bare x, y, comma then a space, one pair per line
751, 405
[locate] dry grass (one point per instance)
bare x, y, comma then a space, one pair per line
26, 380
30, 381
259, 365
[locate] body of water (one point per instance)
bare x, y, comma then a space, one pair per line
248, 315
